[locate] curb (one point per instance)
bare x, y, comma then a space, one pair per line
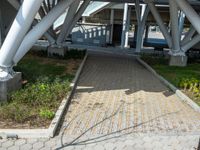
178, 92
50, 132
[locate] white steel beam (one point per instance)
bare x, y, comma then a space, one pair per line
124, 25
174, 27
141, 27
1, 29
14, 3
19, 28
160, 23
188, 35
190, 13
127, 28
181, 23
70, 14
138, 16
40, 29
77, 16
191, 43
112, 14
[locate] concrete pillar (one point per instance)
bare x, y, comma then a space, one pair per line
112, 14
40, 29
190, 13
124, 27
178, 57
178, 60
70, 14
19, 28
160, 23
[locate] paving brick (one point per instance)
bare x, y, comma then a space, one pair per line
109, 146
26, 147
7, 143
14, 148
99, 147
111, 83
38, 145
119, 105
50, 143
20, 142
32, 141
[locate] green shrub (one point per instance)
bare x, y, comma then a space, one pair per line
46, 113
189, 84
75, 54
186, 78
154, 60
42, 93
70, 54
46, 84
15, 112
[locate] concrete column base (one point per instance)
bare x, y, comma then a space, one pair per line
178, 61
56, 51
9, 85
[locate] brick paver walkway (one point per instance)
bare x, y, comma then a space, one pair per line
118, 104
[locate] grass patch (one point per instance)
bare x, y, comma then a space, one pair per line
186, 78
46, 82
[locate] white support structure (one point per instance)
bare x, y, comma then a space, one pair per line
1, 40
77, 16
14, 3
141, 27
50, 39
19, 28
190, 13
175, 29
13, 49
124, 27
40, 29
1, 29
70, 14
112, 15
160, 22
188, 35
127, 28
191, 43
181, 23
138, 16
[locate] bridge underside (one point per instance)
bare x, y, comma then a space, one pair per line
35, 19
